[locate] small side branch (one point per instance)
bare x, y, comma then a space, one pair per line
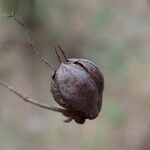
30, 40
30, 100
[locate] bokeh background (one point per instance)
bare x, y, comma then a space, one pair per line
115, 35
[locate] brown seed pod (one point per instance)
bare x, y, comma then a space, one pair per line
78, 87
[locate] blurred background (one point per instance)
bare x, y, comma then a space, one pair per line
114, 34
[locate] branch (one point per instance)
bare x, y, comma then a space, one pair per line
30, 100
30, 40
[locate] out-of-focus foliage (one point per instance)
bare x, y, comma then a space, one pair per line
115, 34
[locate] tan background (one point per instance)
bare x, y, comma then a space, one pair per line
114, 34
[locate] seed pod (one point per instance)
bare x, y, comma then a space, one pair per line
78, 87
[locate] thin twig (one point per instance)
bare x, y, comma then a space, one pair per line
30, 40
30, 100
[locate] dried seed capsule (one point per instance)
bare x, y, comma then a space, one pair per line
78, 87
